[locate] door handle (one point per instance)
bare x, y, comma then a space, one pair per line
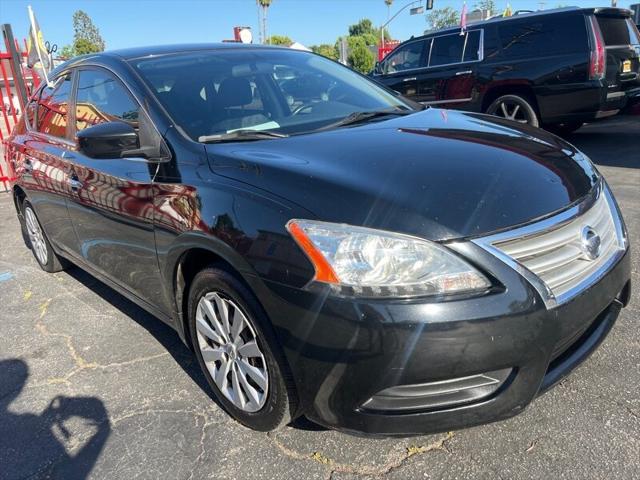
466, 72
75, 184
410, 79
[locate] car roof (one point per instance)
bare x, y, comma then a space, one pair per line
141, 52
541, 13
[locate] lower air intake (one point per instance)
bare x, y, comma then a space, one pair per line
440, 394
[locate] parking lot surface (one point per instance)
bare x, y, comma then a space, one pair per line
93, 386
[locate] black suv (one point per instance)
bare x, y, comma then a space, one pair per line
557, 68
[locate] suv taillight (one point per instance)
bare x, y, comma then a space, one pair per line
597, 64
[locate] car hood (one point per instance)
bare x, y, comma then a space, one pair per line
436, 174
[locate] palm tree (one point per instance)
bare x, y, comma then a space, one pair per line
263, 6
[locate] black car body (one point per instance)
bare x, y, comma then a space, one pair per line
149, 210
567, 66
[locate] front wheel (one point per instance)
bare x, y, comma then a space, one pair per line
515, 108
238, 352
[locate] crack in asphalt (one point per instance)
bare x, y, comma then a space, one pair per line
80, 363
370, 470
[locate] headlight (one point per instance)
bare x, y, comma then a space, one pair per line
358, 261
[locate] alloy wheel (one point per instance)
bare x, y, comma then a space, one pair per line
229, 347
36, 236
511, 111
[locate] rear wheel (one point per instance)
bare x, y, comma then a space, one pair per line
238, 353
39, 243
515, 108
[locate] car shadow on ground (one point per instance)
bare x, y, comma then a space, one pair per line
599, 139
164, 334
43, 444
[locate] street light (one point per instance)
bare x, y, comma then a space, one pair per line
414, 11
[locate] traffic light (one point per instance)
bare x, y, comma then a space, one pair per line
429, 4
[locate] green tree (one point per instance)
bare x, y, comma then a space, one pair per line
486, 5
326, 50
86, 33
443, 17
67, 52
280, 40
360, 58
363, 27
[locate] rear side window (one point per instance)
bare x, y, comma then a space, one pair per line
618, 31
52, 112
102, 98
455, 48
405, 58
546, 36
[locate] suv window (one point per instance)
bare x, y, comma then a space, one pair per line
618, 31
455, 48
102, 98
53, 106
405, 58
552, 36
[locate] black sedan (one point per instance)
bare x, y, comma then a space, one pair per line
326, 247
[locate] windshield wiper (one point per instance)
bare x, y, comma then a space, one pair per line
240, 135
360, 117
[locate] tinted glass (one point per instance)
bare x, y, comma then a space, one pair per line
102, 98
223, 90
447, 49
404, 58
472, 47
52, 108
550, 35
617, 31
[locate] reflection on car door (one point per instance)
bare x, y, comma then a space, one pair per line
452, 71
44, 151
402, 66
111, 205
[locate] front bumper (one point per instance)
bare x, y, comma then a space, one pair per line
342, 352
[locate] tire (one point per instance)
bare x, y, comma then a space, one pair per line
564, 128
514, 107
37, 241
268, 405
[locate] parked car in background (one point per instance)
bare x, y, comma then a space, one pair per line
556, 68
323, 247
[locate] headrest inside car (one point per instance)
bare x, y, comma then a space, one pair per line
235, 92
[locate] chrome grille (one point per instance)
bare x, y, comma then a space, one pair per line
556, 251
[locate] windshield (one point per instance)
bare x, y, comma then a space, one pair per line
217, 92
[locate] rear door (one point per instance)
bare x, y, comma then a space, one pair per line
622, 44
43, 163
401, 68
452, 69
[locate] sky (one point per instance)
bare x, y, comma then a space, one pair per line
129, 23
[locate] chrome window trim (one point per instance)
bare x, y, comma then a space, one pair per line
550, 300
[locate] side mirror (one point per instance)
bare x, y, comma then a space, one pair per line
109, 140
377, 69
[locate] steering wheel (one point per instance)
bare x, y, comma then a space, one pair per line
302, 107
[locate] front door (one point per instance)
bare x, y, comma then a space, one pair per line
112, 202
401, 68
451, 77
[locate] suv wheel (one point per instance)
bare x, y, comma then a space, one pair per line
516, 108
238, 353
39, 243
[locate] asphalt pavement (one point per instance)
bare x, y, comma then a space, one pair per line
91, 386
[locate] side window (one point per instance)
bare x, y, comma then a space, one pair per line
551, 36
102, 98
472, 46
447, 49
405, 58
52, 111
